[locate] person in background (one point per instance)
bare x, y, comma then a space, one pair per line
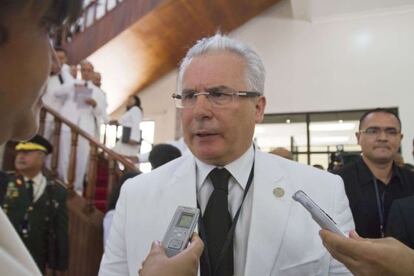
107, 221
36, 206
400, 224
74, 71
374, 181
86, 108
130, 141
282, 152
409, 165
58, 90
163, 153
318, 166
179, 144
63, 62
24, 51
97, 79
370, 257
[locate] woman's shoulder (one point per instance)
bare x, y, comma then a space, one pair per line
135, 109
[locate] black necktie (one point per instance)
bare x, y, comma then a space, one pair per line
217, 222
29, 188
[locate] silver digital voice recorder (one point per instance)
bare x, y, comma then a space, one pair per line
180, 230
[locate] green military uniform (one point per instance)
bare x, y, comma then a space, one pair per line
42, 224
4, 180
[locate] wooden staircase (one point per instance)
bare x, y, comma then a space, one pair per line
101, 186
86, 212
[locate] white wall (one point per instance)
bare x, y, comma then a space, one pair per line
350, 62
159, 107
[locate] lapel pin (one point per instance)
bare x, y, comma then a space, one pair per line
278, 192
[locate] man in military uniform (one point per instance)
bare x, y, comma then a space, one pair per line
36, 206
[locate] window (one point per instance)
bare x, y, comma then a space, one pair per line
311, 137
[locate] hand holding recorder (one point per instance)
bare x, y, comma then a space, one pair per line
173, 257
185, 263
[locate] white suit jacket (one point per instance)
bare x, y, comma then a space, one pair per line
88, 119
283, 239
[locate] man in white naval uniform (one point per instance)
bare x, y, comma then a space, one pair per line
87, 113
59, 86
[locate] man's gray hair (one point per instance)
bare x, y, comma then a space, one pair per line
255, 71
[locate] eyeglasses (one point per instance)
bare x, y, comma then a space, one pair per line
218, 96
376, 131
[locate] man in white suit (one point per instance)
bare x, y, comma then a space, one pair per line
220, 96
87, 111
58, 89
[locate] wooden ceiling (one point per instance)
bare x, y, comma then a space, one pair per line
154, 45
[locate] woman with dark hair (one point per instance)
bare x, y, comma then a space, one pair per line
25, 56
130, 141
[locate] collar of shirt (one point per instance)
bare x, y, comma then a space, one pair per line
367, 176
239, 169
39, 185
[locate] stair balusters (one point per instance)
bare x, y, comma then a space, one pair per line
93, 166
56, 147
72, 159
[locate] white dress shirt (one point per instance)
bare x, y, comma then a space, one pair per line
39, 185
240, 171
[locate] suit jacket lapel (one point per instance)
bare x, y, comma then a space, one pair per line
178, 189
183, 180
269, 215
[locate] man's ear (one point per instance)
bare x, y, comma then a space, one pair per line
260, 107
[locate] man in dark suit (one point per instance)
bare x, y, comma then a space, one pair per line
36, 206
400, 223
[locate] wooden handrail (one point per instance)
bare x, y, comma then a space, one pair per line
95, 147
90, 138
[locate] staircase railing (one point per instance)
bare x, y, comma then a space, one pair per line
95, 147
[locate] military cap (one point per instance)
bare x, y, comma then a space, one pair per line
36, 143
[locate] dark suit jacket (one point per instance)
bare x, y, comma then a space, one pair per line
4, 180
401, 221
